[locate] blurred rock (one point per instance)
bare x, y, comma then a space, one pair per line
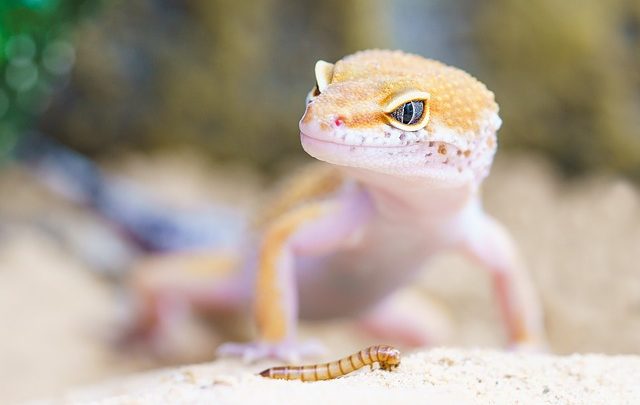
566, 76
228, 76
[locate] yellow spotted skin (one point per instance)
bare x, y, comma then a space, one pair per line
387, 356
360, 87
341, 236
390, 175
362, 83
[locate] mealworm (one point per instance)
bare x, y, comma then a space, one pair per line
387, 356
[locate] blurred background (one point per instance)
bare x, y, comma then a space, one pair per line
190, 110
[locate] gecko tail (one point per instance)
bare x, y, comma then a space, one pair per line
144, 219
64, 171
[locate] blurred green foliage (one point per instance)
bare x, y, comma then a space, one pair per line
567, 77
35, 55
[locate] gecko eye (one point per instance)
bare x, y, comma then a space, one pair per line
409, 113
408, 110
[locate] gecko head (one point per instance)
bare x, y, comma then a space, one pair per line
400, 114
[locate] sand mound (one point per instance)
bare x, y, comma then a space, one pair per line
439, 376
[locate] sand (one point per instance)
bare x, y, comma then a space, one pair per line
580, 238
438, 376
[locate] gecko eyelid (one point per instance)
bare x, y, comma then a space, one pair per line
408, 110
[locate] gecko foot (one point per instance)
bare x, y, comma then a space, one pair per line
290, 352
530, 346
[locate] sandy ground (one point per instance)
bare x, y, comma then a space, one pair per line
581, 240
439, 376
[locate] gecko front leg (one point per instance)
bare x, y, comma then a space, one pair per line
313, 229
489, 244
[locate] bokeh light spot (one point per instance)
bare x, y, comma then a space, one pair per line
40, 4
20, 49
58, 57
21, 76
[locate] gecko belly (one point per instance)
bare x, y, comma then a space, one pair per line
352, 281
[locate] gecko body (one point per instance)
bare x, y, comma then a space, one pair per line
408, 142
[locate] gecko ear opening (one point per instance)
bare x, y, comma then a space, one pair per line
324, 74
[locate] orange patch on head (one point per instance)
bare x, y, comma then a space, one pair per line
361, 82
366, 120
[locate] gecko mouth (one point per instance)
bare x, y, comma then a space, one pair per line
437, 150
304, 136
414, 158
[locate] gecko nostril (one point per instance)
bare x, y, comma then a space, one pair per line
339, 121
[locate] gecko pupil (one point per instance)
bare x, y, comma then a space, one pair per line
409, 113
